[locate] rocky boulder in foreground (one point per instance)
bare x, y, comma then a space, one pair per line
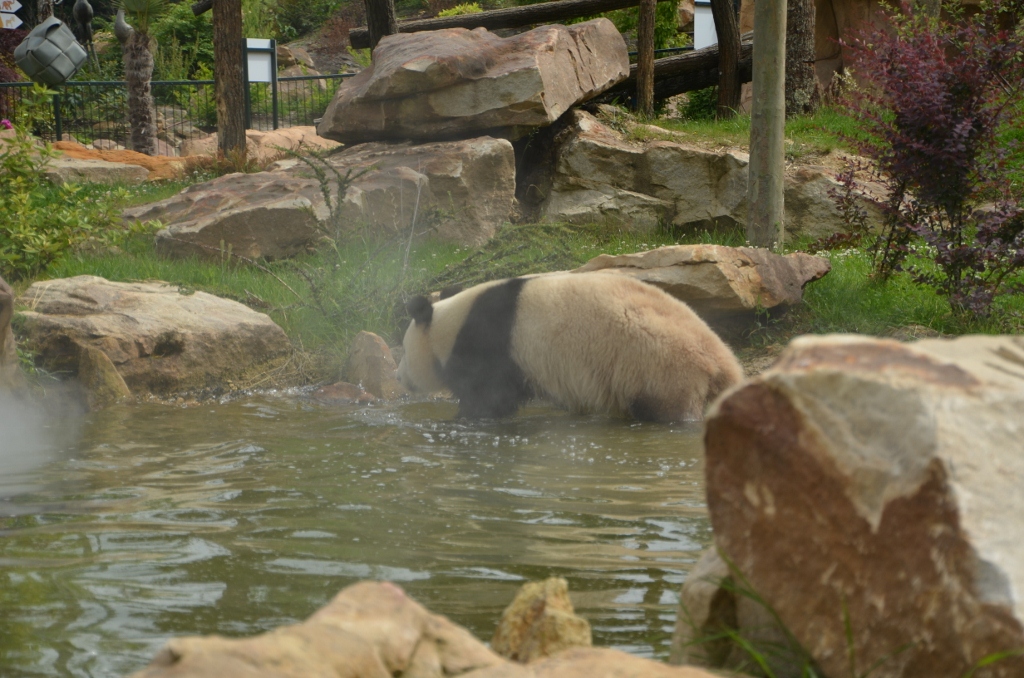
10, 373
724, 285
373, 630
460, 191
870, 491
458, 83
159, 338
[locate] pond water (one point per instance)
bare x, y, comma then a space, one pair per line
127, 526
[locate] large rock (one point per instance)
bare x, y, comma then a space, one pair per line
715, 612
457, 83
870, 492
373, 630
461, 191
600, 176
540, 622
371, 365
722, 284
263, 147
10, 374
161, 339
68, 170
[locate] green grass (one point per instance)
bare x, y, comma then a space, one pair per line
817, 134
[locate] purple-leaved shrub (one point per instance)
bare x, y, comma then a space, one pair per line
935, 98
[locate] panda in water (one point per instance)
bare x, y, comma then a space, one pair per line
592, 342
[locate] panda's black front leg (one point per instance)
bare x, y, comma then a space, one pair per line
489, 391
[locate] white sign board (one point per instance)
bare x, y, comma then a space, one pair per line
704, 34
9, 5
259, 59
10, 20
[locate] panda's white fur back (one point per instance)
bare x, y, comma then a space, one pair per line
597, 342
592, 342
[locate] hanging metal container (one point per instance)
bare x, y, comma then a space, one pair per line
50, 54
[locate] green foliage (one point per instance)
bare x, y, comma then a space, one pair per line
363, 57
700, 105
666, 24
260, 20
299, 17
35, 110
465, 8
142, 14
185, 42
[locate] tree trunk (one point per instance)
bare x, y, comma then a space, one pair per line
767, 126
380, 20
802, 95
645, 59
229, 78
510, 17
728, 32
138, 71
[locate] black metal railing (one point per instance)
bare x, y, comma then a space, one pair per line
96, 112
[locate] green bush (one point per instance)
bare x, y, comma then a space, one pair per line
41, 221
700, 105
185, 40
666, 24
299, 17
457, 10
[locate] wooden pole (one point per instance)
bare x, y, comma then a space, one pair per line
802, 94
645, 59
728, 31
510, 17
229, 79
380, 20
767, 126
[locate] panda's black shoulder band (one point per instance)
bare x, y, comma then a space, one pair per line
420, 310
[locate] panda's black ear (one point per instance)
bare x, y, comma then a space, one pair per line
420, 310
450, 291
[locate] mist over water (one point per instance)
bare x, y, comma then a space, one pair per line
32, 433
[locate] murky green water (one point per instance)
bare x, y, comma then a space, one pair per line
237, 517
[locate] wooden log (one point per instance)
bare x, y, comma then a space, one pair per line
511, 17
380, 20
685, 72
201, 6
645, 59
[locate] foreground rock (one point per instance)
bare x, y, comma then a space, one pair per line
870, 492
597, 175
373, 630
66, 170
158, 338
540, 622
724, 285
457, 83
714, 609
371, 366
10, 373
460, 191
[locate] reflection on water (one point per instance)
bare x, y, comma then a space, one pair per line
235, 518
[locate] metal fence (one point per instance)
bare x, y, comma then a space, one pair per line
96, 112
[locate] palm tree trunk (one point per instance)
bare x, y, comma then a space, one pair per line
138, 71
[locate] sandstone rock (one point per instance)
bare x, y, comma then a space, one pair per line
264, 147
66, 170
720, 283
371, 365
540, 622
598, 175
461, 191
102, 383
457, 83
107, 145
298, 87
343, 393
161, 339
870, 492
714, 609
373, 630
10, 372
291, 55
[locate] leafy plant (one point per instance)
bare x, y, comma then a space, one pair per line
700, 105
185, 42
363, 57
939, 95
465, 8
666, 23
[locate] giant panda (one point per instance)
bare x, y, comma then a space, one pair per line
597, 343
